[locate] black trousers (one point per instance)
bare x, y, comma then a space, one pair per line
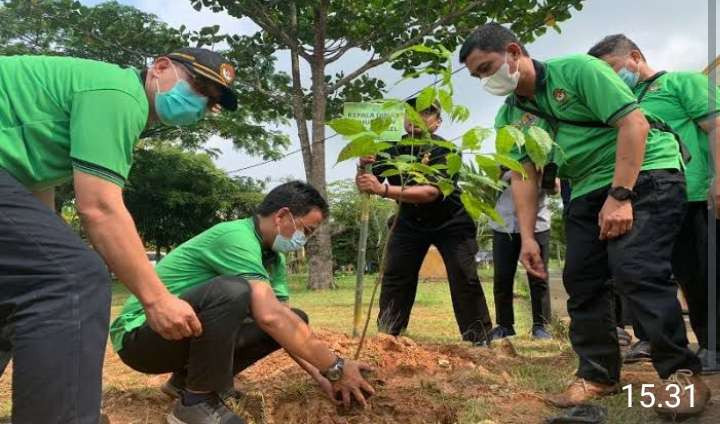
406, 250
690, 266
55, 305
639, 263
231, 341
506, 252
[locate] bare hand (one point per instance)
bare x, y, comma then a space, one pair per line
615, 219
173, 318
531, 258
327, 387
352, 384
366, 160
368, 183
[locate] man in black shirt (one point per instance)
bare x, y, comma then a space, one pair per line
425, 218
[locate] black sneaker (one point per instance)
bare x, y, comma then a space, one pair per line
539, 333
213, 411
176, 384
500, 332
708, 366
638, 352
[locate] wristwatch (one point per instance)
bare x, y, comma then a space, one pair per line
622, 194
335, 372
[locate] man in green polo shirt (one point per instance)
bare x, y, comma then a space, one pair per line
627, 203
234, 277
64, 118
681, 99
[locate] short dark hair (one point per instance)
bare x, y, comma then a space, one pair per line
614, 45
491, 37
300, 197
433, 108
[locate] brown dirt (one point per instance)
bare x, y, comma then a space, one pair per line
414, 383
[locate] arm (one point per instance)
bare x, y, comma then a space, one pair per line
525, 198
47, 197
708, 126
368, 183
291, 332
112, 232
616, 217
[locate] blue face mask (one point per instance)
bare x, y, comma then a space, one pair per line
630, 78
283, 244
180, 105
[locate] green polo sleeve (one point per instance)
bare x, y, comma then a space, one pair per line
104, 127
230, 254
691, 89
278, 279
504, 117
602, 91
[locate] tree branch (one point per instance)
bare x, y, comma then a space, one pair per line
258, 15
340, 52
411, 42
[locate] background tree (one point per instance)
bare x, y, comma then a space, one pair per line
174, 194
320, 32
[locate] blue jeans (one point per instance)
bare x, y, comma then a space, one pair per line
55, 303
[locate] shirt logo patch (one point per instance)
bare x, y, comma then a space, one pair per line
527, 120
560, 95
655, 86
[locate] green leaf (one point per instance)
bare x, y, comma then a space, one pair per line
347, 126
454, 162
477, 208
364, 145
445, 99
381, 124
489, 165
444, 144
446, 187
474, 138
422, 168
405, 158
538, 145
414, 117
390, 173
542, 137
507, 137
426, 98
460, 113
510, 163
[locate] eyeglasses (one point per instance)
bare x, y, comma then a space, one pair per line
203, 86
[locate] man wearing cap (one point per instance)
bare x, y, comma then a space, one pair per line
65, 118
425, 218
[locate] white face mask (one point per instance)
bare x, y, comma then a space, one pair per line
502, 82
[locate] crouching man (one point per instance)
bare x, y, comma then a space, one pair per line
234, 277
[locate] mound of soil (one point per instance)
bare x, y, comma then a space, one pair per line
414, 383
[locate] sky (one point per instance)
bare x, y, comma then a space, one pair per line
673, 35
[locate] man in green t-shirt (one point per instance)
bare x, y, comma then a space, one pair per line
63, 118
627, 184
681, 99
234, 277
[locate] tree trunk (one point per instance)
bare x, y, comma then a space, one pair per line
320, 248
298, 103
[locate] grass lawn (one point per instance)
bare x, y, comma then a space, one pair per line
545, 366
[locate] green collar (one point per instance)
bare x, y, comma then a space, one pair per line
267, 254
